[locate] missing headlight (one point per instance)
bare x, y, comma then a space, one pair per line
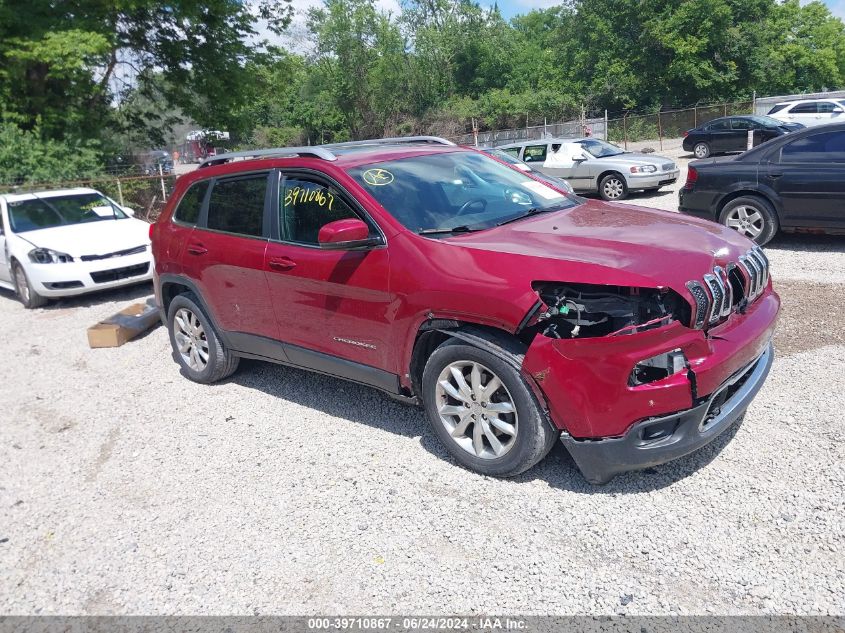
588, 310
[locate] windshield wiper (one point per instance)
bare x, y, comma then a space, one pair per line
529, 213
463, 228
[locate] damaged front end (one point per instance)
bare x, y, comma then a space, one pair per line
568, 311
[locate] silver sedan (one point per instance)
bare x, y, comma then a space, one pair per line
591, 165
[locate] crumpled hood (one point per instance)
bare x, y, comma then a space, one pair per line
92, 238
599, 242
637, 158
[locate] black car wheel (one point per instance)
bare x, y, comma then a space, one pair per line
613, 187
701, 150
751, 216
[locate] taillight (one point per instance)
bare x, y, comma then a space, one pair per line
152, 230
692, 177
686, 134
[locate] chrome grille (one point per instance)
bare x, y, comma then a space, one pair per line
716, 298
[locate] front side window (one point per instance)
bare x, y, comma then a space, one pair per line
51, 211
721, 124
188, 211
535, 153
236, 205
461, 189
741, 124
826, 147
827, 107
306, 206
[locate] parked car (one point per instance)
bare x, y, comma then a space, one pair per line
513, 161
591, 165
792, 183
69, 242
730, 134
152, 160
810, 112
513, 313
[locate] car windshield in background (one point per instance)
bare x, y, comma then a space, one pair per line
600, 149
457, 190
49, 212
766, 121
502, 155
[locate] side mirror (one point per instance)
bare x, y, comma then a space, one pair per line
838, 110
345, 235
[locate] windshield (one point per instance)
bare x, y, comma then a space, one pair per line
599, 148
49, 212
455, 189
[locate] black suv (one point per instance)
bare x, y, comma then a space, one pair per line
794, 183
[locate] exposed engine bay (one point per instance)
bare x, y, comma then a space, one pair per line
587, 310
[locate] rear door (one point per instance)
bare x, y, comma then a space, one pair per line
805, 113
334, 302
721, 136
809, 176
5, 272
224, 254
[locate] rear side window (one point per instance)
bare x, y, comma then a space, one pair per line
821, 148
778, 108
535, 153
188, 211
236, 205
804, 108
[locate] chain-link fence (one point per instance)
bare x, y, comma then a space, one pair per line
665, 128
146, 195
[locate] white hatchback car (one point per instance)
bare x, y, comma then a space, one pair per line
69, 242
810, 112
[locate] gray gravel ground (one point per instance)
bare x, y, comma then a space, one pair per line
125, 488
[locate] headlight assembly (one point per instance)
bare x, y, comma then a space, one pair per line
48, 256
643, 169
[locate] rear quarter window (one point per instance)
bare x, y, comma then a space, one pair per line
777, 108
188, 210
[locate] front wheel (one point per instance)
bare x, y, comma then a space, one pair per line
751, 216
483, 411
28, 297
613, 187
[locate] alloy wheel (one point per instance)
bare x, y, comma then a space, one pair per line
476, 409
746, 220
22, 284
190, 339
700, 151
613, 188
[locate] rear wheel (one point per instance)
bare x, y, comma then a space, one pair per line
751, 216
196, 345
613, 187
28, 297
483, 411
701, 150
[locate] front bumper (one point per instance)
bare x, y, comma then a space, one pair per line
659, 440
652, 181
78, 277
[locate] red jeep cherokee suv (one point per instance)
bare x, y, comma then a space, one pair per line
514, 313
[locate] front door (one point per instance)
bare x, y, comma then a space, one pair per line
335, 302
721, 136
225, 255
810, 178
5, 272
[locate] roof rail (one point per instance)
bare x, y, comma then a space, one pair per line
434, 140
318, 151
314, 151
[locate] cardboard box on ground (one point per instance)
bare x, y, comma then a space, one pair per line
124, 326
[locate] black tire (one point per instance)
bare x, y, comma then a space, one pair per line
768, 225
221, 362
26, 295
534, 435
613, 187
701, 150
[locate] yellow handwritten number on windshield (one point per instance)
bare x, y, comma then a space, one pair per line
377, 177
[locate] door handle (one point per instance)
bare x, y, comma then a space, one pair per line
775, 174
281, 263
197, 249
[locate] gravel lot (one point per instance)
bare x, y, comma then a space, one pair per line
126, 489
